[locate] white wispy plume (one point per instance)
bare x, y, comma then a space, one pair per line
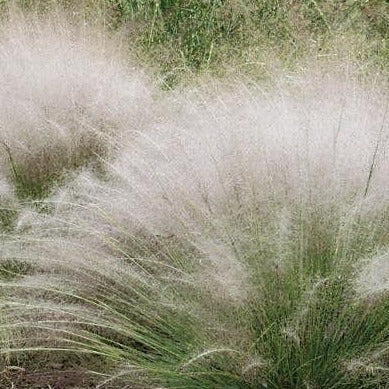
223, 199
65, 90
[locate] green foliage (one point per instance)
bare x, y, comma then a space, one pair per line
8, 216
305, 317
35, 176
11, 269
302, 323
184, 37
195, 35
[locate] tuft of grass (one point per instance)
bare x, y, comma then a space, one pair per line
237, 238
224, 248
67, 93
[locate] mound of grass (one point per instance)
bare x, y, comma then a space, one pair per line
225, 248
67, 95
238, 239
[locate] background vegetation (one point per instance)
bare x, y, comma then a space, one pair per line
180, 38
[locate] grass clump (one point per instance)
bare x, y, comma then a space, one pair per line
225, 248
67, 93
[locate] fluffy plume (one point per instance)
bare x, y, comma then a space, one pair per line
65, 91
221, 237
